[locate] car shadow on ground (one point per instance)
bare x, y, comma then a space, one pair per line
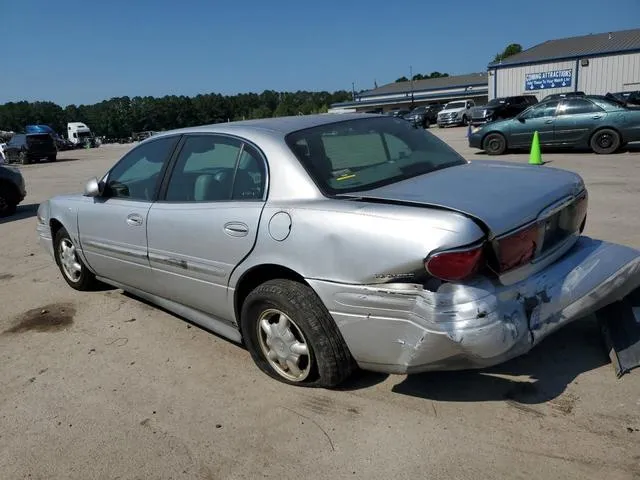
545, 371
22, 211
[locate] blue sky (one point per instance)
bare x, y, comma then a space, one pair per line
85, 52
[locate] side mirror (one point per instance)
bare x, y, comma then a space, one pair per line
521, 119
92, 188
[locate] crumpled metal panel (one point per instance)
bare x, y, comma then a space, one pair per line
399, 328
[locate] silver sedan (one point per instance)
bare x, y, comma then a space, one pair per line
329, 242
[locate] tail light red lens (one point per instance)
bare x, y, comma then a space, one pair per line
455, 265
519, 248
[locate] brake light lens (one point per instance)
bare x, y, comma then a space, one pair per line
455, 265
519, 248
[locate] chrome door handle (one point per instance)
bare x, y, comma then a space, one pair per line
548, 121
134, 220
595, 117
236, 229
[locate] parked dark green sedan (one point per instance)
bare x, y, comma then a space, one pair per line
595, 122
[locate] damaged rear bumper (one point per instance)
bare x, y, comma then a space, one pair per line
402, 328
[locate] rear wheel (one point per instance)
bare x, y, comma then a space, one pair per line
292, 337
494, 144
605, 141
52, 158
23, 158
74, 271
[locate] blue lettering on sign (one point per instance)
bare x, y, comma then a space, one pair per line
552, 79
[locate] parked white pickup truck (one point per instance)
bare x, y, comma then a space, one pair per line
455, 113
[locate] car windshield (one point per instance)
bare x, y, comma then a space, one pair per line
356, 155
419, 110
452, 105
496, 101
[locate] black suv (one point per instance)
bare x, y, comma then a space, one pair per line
12, 190
28, 147
501, 108
424, 115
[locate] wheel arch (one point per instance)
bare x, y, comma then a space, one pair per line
606, 127
257, 275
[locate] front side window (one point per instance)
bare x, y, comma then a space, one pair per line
204, 170
136, 176
357, 155
546, 109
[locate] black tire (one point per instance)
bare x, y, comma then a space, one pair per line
329, 358
8, 199
465, 120
494, 144
23, 158
86, 280
426, 124
605, 141
52, 158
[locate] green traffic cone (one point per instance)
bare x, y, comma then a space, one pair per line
535, 156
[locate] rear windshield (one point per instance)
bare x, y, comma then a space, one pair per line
39, 138
357, 155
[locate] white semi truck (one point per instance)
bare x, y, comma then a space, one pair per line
78, 133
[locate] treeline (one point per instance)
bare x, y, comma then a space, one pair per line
121, 116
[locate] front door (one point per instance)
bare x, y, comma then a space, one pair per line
576, 119
206, 221
113, 226
540, 118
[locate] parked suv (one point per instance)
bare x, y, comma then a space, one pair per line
424, 115
501, 108
29, 147
455, 113
12, 190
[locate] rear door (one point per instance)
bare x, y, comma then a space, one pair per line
576, 119
540, 118
206, 220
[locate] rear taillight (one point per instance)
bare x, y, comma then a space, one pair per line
455, 265
519, 248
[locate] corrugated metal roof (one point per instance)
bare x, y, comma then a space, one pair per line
428, 84
575, 47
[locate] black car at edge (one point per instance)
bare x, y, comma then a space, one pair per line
501, 108
26, 148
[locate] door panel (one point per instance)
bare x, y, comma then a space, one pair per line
194, 247
113, 227
540, 118
114, 246
206, 222
577, 118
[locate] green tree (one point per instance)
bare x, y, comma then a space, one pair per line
511, 49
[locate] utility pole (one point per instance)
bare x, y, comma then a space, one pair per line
411, 80
353, 91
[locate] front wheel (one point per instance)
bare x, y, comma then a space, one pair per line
52, 158
23, 158
7, 203
74, 271
291, 336
605, 141
494, 144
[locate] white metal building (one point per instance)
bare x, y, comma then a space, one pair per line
595, 64
472, 86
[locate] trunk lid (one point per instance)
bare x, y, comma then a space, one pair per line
502, 195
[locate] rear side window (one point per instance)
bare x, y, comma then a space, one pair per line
576, 106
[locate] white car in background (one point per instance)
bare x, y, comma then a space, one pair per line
2, 157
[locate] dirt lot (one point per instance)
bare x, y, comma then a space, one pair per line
101, 385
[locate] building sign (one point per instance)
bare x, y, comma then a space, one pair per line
552, 79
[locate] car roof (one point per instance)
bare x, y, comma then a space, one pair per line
279, 125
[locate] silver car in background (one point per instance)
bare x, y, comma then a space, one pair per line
329, 242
